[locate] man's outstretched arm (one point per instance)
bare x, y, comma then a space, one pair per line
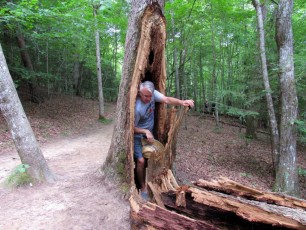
175, 101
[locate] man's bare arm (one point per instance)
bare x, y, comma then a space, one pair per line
147, 132
175, 101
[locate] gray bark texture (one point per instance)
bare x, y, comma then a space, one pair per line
19, 126
286, 177
271, 112
99, 70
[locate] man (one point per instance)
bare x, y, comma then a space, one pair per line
144, 123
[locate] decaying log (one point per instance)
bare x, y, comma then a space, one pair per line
252, 211
233, 188
224, 210
151, 216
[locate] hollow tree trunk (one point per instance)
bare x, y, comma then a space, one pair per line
149, 65
143, 59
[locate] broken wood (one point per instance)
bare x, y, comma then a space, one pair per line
151, 216
213, 209
229, 210
228, 186
232, 212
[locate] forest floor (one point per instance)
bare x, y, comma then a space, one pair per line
75, 145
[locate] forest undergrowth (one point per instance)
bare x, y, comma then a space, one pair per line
203, 151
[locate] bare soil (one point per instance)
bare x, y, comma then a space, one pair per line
75, 148
75, 145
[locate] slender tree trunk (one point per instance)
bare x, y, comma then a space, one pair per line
26, 60
99, 71
47, 67
175, 65
271, 112
214, 74
18, 124
286, 176
77, 77
195, 85
203, 94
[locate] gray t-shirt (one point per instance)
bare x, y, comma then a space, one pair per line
144, 113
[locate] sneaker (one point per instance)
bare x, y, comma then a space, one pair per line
145, 196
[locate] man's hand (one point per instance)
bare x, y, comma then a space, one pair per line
149, 136
188, 103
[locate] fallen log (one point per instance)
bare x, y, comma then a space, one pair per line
223, 209
228, 186
151, 216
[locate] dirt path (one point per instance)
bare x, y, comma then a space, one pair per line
79, 199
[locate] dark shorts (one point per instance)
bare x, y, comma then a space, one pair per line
137, 148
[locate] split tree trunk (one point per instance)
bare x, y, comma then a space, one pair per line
143, 60
149, 65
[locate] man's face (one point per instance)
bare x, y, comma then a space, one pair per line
145, 95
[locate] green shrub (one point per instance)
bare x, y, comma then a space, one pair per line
19, 176
301, 172
105, 121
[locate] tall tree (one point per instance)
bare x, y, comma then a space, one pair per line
18, 124
264, 69
286, 176
175, 64
138, 55
98, 58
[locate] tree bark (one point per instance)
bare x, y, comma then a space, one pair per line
98, 58
217, 204
77, 77
286, 176
175, 64
18, 124
143, 59
26, 60
270, 106
214, 74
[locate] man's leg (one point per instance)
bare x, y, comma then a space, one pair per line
140, 168
141, 173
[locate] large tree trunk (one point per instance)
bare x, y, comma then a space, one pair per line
286, 177
143, 59
271, 112
18, 124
